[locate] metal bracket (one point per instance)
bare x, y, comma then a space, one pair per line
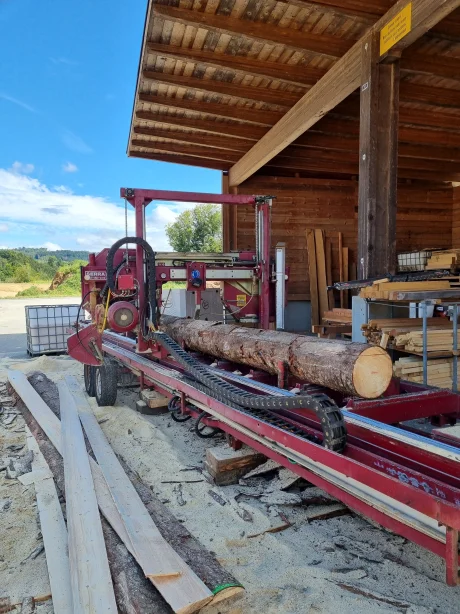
129, 192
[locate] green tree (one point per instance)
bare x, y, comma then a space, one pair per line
197, 230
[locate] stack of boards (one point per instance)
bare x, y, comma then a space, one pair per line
391, 332
449, 259
390, 290
437, 341
439, 371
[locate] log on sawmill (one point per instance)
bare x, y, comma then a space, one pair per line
351, 368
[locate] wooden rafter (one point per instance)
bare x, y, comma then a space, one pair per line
210, 140
299, 75
340, 81
190, 150
181, 159
324, 44
258, 94
248, 114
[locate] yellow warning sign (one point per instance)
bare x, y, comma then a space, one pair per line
241, 300
396, 29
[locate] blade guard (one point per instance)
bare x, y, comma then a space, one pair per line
86, 346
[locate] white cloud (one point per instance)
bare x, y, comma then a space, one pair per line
75, 142
22, 169
51, 247
31, 208
69, 167
3, 227
18, 103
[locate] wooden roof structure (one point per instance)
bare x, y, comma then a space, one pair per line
220, 82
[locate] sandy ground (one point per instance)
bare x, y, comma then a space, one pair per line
337, 566
9, 290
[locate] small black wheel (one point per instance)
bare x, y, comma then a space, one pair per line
106, 383
88, 374
176, 411
202, 430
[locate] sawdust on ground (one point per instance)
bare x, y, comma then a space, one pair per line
342, 565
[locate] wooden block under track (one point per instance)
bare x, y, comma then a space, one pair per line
225, 464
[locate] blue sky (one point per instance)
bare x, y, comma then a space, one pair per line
67, 81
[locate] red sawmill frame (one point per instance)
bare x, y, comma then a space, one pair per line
140, 199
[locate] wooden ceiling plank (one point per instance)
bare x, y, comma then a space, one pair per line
250, 133
330, 46
299, 75
338, 83
181, 159
441, 66
247, 114
210, 140
437, 96
191, 150
236, 90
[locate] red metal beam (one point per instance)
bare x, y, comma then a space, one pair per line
187, 197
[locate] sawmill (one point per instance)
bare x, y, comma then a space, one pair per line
324, 337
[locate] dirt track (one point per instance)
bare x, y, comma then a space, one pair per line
9, 290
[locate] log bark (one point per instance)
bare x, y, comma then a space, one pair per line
134, 593
355, 369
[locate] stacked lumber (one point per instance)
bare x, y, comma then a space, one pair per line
384, 332
388, 290
446, 259
437, 341
439, 372
337, 316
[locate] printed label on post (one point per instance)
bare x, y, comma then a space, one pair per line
241, 300
396, 29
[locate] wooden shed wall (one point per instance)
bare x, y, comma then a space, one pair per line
456, 218
424, 220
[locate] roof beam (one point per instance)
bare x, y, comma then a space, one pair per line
251, 133
236, 90
324, 44
299, 75
177, 159
247, 114
210, 140
338, 83
191, 150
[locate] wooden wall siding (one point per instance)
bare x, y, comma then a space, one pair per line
456, 218
424, 219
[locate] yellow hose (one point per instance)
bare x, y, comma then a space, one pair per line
105, 312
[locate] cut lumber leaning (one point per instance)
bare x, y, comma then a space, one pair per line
314, 299
54, 533
92, 589
134, 593
179, 585
351, 368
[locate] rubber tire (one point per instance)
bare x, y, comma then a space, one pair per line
105, 383
89, 377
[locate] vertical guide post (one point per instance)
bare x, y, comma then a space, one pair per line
280, 284
455, 348
425, 341
139, 210
378, 162
263, 213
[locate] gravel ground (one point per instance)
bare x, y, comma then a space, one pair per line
343, 564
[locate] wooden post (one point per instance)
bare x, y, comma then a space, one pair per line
378, 164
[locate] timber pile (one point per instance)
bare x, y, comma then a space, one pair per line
351, 368
439, 371
447, 259
337, 316
383, 332
437, 341
110, 486
386, 290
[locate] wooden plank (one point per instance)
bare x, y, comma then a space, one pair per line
211, 153
290, 73
209, 140
330, 293
92, 589
331, 46
338, 83
262, 117
311, 249
177, 583
178, 159
236, 90
321, 273
378, 163
345, 273
54, 533
342, 295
